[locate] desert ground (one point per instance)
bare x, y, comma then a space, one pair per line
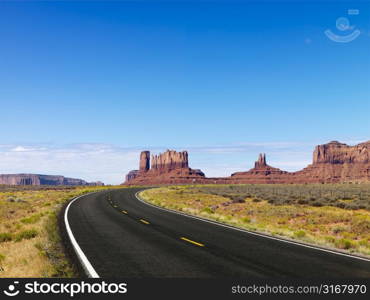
30, 242
335, 216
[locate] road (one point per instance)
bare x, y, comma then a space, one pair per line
123, 237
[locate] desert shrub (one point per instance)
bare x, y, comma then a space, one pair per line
32, 219
300, 234
329, 239
317, 203
344, 244
246, 220
302, 201
338, 229
345, 196
238, 199
207, 210
5, 237
26, 234
340, 205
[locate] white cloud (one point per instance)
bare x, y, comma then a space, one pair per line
25, 149
90, 162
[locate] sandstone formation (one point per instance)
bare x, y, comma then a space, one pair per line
338, 162
168, 167
261, 162
132, 175
170, 160
332, 163
35, 179
338, 153
144, 161
261, 173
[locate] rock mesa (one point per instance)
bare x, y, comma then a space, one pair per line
36, 179
168, 167
333, 162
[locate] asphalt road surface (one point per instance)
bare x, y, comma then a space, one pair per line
123, 237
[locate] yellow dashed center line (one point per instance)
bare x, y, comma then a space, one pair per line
190, 241
125, 212
143, 221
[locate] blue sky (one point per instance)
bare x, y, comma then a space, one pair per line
85, 85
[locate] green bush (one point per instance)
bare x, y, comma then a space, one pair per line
246, 220
300, 234
32, 219
26, 234
344, 244
5, 237
207, 210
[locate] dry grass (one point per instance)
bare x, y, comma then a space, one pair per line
30, 244
329, 226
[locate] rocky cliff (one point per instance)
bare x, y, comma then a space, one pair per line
333, 162
170, 160
261, 162
168, 167
338, 162
144, 161
36, 179
132, 175
338, 153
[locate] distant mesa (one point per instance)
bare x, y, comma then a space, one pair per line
338, 162
261, 173
168, 167
333, 162
36, 179
169, 160
338, 153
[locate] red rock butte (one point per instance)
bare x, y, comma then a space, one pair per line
332, 163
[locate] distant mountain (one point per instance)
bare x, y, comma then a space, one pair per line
333, 162
36, 179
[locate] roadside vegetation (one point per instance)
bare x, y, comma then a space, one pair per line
30, 244
333, 216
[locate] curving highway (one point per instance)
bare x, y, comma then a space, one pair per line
122, 237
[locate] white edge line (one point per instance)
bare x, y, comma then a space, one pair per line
249, 232
86, 265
